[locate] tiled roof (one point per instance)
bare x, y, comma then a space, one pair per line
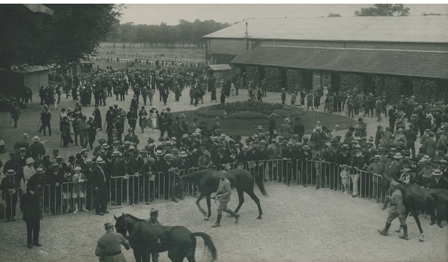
421, 29
389, 62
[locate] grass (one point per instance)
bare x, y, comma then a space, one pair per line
248, 127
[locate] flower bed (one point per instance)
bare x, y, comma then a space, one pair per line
247, 115
209, 112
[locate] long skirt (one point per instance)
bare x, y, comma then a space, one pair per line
142, 123
154, 122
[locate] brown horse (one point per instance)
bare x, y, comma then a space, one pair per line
145, 238
241, 179
416, 198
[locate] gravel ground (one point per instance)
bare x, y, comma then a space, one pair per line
299, 224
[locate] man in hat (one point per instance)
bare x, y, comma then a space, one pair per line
45, 118
223, 196
376, 171
221, 159
28, 172
23, 142
37, 148
9, 187
136, 162
108, 247
15, 113
131, 137
32, 214
285, 129
154, 220
396, 210
99, 180
438, 181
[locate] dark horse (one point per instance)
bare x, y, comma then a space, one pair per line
241, 179
145, 238
416, 198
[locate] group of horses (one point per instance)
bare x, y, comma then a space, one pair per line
145, 238
180, 242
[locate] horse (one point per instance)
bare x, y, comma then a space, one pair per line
145, 238
416, 198
208, 181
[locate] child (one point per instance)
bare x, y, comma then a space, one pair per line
79, 189
345, 177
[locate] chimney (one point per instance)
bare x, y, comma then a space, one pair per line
246, 36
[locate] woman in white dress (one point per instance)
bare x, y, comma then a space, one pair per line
153, 115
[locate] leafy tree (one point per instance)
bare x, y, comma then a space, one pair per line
384, 10
334, 15
69, 34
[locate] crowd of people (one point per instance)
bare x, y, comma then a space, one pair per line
282, 153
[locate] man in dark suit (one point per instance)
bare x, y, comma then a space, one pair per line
99, 180
135, 164
437, 181
32, 214
37, 148
299, 128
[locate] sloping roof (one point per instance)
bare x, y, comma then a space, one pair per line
220, 67
389, 62
31, 69
421, 29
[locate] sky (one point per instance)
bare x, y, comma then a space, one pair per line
171, 13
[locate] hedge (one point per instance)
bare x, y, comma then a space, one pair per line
252, 74
263, 108
209, 112
388, 85
247, 115
352, 83
286, 112
293, 79
426, 90
273, 79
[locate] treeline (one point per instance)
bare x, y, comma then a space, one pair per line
184, 34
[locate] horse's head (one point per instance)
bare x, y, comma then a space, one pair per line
384, 183
121, 224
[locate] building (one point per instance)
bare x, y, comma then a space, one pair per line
332, 51
32, 77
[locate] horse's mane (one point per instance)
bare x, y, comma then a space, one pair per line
134, 218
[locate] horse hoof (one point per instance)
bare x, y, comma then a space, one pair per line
206, 219
259, 217
421, 240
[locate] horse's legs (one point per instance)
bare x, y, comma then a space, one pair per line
201, 196
138, 257
240, 200
406, 213
209, 206
257, 201
417, 220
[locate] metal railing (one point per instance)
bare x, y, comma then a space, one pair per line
138, 189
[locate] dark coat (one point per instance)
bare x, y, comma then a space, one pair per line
30, 207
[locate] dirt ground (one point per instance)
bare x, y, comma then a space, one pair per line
299, 224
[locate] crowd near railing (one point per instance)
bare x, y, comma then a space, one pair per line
160, 186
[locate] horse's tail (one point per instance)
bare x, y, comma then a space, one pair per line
208, 243
260, 183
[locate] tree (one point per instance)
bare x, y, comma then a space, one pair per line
334, 15
428, 14
68, 35
384, 10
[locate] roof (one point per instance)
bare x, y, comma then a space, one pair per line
220, 67
389, 62
421, 29
31, 69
